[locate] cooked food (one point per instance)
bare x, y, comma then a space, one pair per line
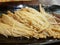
28, 22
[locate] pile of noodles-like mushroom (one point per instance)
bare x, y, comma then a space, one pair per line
29, 23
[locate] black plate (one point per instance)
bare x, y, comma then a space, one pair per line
52, 8
24, 40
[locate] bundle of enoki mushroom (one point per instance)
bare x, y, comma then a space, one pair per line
28, 22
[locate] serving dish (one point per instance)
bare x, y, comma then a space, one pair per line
24, 40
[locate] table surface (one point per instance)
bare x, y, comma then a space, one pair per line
13, 0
